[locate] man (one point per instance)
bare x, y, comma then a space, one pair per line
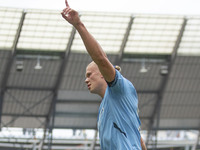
118, 121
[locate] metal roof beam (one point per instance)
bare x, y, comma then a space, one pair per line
27, 109
147, 92
29, 88
60, 74
51, 89
78, 101
85, 95
9, 64
57, 85
197, 142
121, 51
75, 114
94, 140
74, 127
175, 128
158, 103
22, 115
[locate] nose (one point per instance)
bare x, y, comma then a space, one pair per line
86, 80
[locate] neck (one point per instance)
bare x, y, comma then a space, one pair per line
103, 91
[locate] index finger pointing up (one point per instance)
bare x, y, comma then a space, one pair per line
66, 3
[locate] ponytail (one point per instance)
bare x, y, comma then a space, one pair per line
118, 68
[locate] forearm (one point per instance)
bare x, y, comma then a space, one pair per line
94, 49
96, 52
92, 46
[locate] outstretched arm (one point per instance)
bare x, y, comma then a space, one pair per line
94, 49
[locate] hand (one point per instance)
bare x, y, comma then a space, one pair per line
70, 15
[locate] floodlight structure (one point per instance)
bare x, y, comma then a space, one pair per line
143, 68
164, 70
38, 66
19, 66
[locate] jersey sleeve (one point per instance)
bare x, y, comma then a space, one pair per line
117, 84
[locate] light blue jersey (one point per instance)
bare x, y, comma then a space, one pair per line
118, 120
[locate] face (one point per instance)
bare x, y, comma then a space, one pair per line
94, 79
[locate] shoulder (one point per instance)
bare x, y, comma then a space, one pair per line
120, 84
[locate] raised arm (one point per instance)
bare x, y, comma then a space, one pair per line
94, 49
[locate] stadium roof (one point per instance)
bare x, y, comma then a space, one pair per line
159, 54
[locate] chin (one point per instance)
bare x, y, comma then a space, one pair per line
92, 91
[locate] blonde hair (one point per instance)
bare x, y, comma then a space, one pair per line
118, 68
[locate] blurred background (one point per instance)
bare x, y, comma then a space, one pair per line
44, 102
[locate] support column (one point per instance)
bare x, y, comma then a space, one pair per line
197, 142
51, 113
121, 51
162, 88
94, 140
9, 65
